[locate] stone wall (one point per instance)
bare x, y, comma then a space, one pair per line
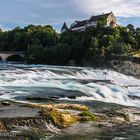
127, 67
111, 19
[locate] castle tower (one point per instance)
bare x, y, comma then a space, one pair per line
64, 28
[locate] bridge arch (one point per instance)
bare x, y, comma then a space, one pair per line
6, 55
16, 57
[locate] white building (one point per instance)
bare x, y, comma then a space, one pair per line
93, 21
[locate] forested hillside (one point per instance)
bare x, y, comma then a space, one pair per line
44, 45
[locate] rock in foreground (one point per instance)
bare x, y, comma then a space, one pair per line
79, 107
46, 119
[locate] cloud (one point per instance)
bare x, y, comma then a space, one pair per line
121, 8
55, 12
36, 11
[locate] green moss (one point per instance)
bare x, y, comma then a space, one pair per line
60, 119
87, 115
77, 107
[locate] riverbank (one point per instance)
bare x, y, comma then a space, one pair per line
35, 121
127, 67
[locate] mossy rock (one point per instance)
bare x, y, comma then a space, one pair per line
6, 103
78, 107
87, 116
117, 113
61, 119
35, 134
40, 99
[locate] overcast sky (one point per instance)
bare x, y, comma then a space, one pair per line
55, 12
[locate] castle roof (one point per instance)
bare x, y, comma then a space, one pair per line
98, 17
79, 23
92, 18
64, 26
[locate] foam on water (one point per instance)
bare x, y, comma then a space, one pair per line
68, 79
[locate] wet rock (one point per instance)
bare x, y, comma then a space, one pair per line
60, 118
79, 107
40, 99
127, 67
62, 96
134, 97
64, 118
6, 103
62, 115
17, 122
87, 116
117, 115
2, 126
72, 97
54, 97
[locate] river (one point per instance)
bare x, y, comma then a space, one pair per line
72, 84
19, 81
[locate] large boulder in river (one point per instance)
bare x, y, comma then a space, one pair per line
6, 103
63, 115
61, 119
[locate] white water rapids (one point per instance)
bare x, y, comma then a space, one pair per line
25, 80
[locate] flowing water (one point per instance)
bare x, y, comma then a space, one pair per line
70, 84
20, 81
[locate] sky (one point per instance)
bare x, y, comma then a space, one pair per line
24, 12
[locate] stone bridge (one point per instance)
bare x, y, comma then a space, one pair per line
5, 55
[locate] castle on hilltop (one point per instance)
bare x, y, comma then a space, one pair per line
110, 18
